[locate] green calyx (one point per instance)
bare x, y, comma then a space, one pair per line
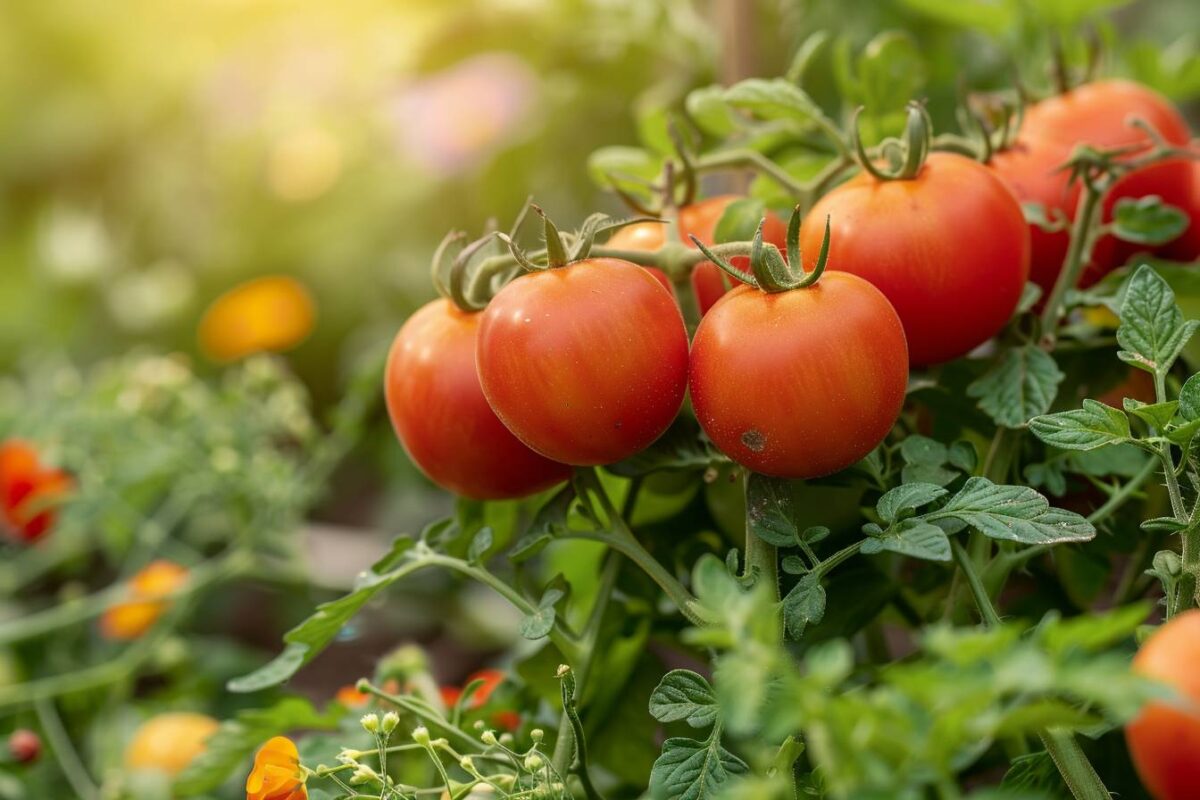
905, 156
992, 123
769, 271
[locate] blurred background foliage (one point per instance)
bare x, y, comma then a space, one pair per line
154, 155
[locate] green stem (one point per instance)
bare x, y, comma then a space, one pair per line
967, 567
82, 609
64, 752
1073, 765
1082, 233
760, 554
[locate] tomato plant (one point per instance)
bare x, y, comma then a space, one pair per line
912, 511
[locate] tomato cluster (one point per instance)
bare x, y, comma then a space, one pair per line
586, 363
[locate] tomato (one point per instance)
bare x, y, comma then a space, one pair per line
826, 365
169, 742
1031, 168
949, 248
1164, 739
586, 363
699, 220
1187, 246
442, 419
1099, 114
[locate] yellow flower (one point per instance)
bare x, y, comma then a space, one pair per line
269, 314
129, 620
169, 742
277, 774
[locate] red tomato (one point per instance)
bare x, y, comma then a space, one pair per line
1098, 114
826, 365
1164, 739
587, 363
949, 248
1187, 246
1031, 170
442, 418
699, 220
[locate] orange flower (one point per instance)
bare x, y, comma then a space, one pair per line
277, 774
169, 742
269, 314
129, 620
351, 697
29, 491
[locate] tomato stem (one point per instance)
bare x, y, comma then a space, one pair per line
761, 556
1083, 235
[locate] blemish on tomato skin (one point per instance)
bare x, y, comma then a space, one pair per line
754, 440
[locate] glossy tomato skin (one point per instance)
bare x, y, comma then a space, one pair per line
1164, 739
1098, 114
587, 363
699, 220
443, 420
824, 368
949, 248
1187, 246
1032, 170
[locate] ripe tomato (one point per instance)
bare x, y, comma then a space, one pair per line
169, 742
587, 363
1187, 246
1030, 168
699, 220
826, 365
442, 419
1164, 739
949, 248
30, 492
1099, 114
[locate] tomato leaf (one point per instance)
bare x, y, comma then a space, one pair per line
769, 512
774, 99
1014, 513
903, 500
547, 523
804, 605
1020, 387
684, 695
541, 622
1152, 331
707, 108
1147, 220
1189, 399
683, 447
912, 537
693, 770
1156, 415
235, 741
1094, 425
480, 544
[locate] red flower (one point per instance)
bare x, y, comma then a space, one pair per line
491, 679
29, 491
508, 720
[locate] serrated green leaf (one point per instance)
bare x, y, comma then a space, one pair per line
1189, 399
480, 544
927, 473
693, 770
1022, 386
769, 512
1147, 220
1182, 434
1156, 415
1094, 425
913, 538
917, 449
907, 497
1015, 513
541, 622
1094, 631
684, 695
963, 456
1152, 331
550, 520
1164, 524
804, 605
682, 447
773, 99
708, 109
